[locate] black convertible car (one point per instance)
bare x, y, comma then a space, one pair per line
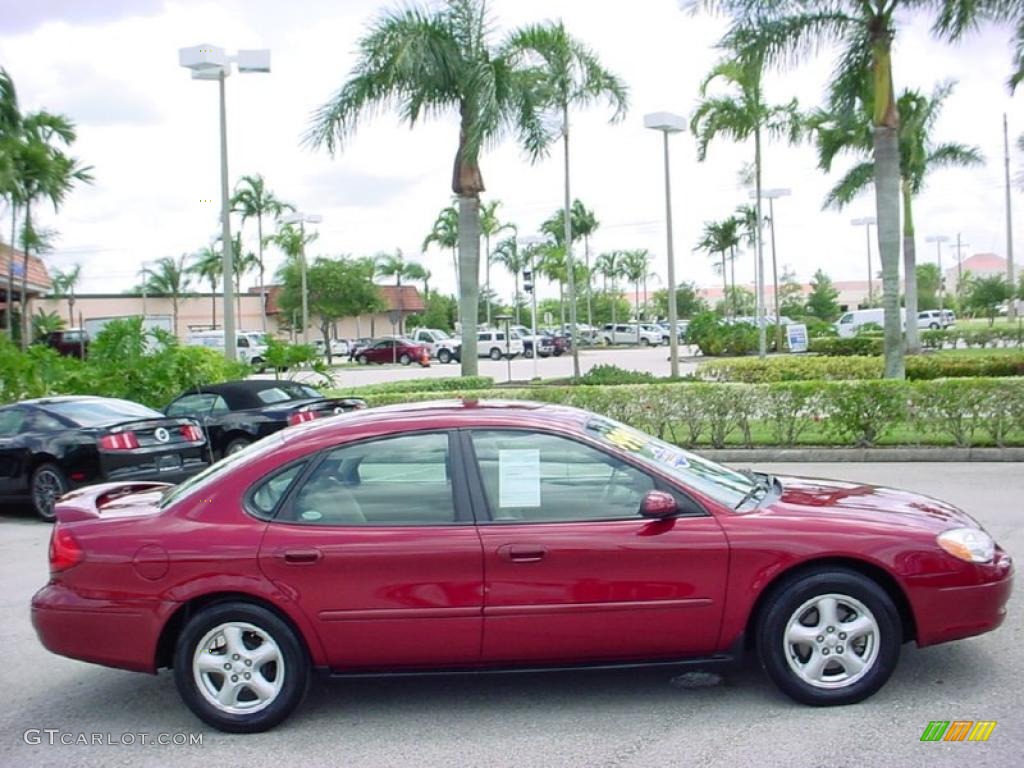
237, 413
52, 445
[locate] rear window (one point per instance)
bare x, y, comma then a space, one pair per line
94, 413
285, 392
213, 473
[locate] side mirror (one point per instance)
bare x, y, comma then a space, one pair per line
658, 504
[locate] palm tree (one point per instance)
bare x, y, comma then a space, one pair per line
169, 277
919, 155
721, 238
609, 265
446, 234
490, 225
741, 116
551, 265
252, 199
208, 264
64, 284
394, 265
242, 263
515, 260
569, 75
585, 223
426, 62
416, 271
10, 190
780, 31
635, 265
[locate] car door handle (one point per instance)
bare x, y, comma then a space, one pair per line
301, 556
522, 553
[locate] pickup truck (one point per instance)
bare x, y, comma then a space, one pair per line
439, 344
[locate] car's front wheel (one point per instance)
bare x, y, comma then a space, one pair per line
240, 668
405, 359
444, 356
829, 638
362, 359
495, 354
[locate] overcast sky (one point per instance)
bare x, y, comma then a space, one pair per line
151, 134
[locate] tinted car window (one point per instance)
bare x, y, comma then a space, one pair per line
93, 413
536, 477
391, 481
273, 395
268, 494
192, 405
11, 420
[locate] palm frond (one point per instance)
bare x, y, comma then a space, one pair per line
854, 182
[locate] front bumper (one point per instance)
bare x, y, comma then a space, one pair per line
955, 612
119, 634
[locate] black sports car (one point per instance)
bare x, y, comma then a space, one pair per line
54, 444
237, 413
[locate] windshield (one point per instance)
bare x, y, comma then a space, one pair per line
440, 335
95, 413
213, 473
722, 484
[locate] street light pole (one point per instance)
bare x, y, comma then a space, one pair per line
867, 222
939, 240
960, 245
1011, 305
531, 243
771, 195
210, 62
667, 123
300, 218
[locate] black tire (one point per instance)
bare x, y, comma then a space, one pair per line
644, 341
236, 444
444, 356
495, 354
362, 359
528, 353
405, 359
774, 652
933, 326
48, 484
259, 365
294, 665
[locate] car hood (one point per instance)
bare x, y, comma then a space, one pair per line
812, 497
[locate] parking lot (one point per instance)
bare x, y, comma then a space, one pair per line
624, 718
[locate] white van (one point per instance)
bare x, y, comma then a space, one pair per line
492, 344
851, 322
251, 345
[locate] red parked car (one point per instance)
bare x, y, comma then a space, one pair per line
393, 351
493, 536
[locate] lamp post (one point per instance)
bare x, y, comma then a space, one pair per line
210, 62
771, 195
867, 222
667, 123
960, 245
507, 319
302, 219
939, 240
530, 279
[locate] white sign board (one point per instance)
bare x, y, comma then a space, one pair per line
796, 334
519, 478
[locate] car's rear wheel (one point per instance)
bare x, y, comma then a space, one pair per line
495, 354
362, 359
829, 638
240, 668
236, 445
645, 341
48, 485
444, 356
933, 326
405, 359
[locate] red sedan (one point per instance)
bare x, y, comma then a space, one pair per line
393, 351
493, 536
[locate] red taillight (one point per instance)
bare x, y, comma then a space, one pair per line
119, 441
300, 417
65, 551
192, 433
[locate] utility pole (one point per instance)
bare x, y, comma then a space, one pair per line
959, 261
1011, 305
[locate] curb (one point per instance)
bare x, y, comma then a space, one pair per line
814, 455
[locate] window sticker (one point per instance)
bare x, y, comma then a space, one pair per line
519, 478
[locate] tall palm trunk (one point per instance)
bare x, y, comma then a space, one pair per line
9, 313
732, 270
263, 287
455, 265
887, 200
636, 298
519, 299
469, 279
213, 301
615, 301
725, 286
569, 268
23, 299
71, 308
487, 274
586, 257
561, 302
762, 344
910, 271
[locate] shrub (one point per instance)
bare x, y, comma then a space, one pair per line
862, 412
714, 337
612, 374
446, 384
818, 328
856, 345
790, 409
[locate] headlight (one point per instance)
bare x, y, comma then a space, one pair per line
970, 544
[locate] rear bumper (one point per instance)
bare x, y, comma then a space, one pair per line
189, 467
119, 634
953, 613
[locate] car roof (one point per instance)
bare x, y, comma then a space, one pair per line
448, 414
66, 399
241, 393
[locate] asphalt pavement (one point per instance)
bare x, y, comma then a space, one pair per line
610, 719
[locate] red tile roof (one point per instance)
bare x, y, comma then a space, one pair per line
38, 277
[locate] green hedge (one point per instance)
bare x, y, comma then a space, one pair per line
448, 384
939, 365
958, 412
1010, 336
856, 345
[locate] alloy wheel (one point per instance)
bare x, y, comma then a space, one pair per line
831, 641
238, 668
47, 487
